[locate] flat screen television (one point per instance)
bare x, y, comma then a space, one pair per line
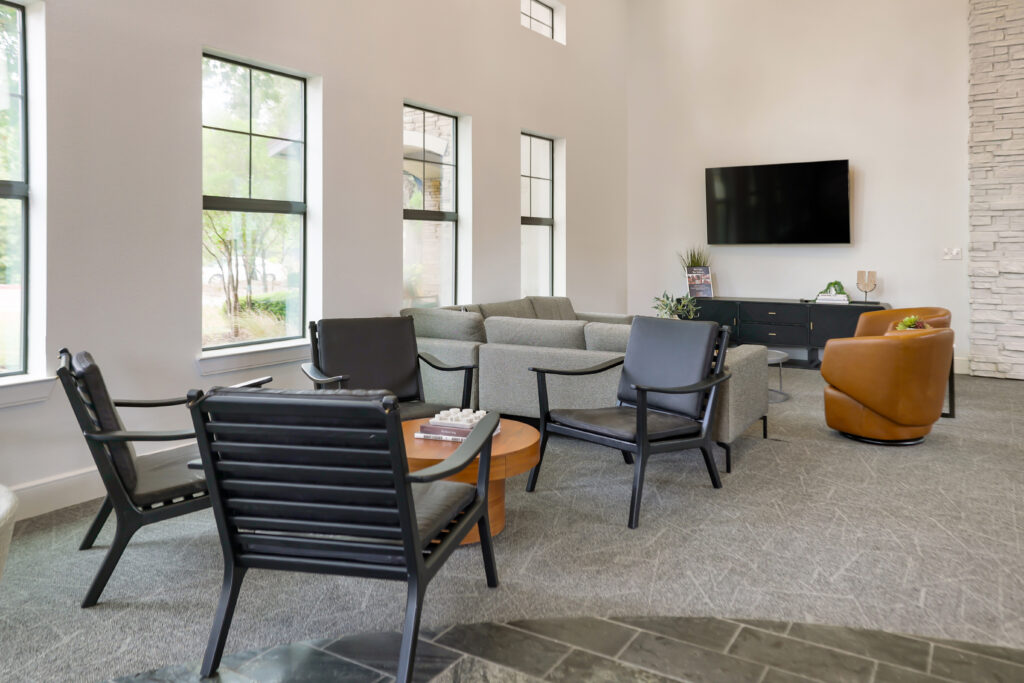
805, 203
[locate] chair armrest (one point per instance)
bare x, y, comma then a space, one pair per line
253, 383
111, 437
702, 385
600, 367
435, 362
153, 403
463, 455
318, 377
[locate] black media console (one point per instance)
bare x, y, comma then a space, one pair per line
784, 322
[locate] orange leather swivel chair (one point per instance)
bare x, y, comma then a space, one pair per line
878, 322
887, 388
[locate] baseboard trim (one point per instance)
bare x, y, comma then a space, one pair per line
53, 493
961, 365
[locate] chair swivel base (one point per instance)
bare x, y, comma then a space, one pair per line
884, 442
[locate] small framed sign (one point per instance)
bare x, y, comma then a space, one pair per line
698, 281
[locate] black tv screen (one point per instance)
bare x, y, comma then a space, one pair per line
805, 203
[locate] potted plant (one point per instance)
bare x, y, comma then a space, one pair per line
912, 322
696, 261
670, 306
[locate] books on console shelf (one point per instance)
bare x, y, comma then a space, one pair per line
832, 299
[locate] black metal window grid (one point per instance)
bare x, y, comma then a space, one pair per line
527, 182
427, 160
250, 204
537, 17
14, 182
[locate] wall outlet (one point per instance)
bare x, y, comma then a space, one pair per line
952, 253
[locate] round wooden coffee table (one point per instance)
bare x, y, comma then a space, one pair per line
515, 450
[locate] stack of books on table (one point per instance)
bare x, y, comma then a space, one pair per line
452, 425
832, 299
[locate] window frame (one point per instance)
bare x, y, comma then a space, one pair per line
431, 215
550, 27
549, 222
275, 206
19, 189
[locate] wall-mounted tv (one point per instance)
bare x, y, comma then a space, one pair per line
805, 203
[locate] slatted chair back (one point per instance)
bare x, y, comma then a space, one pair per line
309, 480
375, 353
95, 411
669, 352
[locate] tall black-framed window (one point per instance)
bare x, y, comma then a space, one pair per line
537, 210
254, 204
14, 236
430, 207
538, 17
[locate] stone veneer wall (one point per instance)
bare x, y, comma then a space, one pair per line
997, 187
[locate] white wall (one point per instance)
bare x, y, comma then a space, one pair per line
882, 83
124, 175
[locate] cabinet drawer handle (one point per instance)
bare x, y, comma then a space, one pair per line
771, 312
771, 334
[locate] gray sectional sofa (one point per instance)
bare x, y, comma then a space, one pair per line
507, 338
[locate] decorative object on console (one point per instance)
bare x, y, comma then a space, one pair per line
834, 293
672, 306
867, 281
696, 261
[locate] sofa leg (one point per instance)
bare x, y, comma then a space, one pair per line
764, 426
728, 455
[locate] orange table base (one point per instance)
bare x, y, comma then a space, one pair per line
514, 450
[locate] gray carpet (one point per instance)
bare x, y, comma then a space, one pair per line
809, 527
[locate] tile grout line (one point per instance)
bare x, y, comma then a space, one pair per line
557, 663
732, 640
624, 647
599, 654
931, 653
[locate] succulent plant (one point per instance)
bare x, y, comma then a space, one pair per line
911, 322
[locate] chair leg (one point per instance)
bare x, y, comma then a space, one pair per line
764, 426
639, 465
728, 456
97, 524
410, 634
233, 575
952, 395
531, 483
628, 457
487, 548
709, 460
122, 534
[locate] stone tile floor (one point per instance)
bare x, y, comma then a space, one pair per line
645, 649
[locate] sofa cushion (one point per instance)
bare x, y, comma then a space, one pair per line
564, 334
516, 308
553, 307
606, 336
442, 323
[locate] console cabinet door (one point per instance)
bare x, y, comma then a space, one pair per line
830, 321
721, 312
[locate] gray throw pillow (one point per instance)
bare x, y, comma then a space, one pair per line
565, 334
445, 324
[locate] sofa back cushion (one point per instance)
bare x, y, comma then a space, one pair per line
553, 307
606, 336
443, 323
516, 308
565, 334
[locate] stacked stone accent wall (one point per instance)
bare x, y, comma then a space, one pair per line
997, 187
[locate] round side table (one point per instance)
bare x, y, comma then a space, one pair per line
777, 358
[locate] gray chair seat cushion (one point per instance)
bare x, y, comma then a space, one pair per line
413, 410
163, 476
619, 422
437, 503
